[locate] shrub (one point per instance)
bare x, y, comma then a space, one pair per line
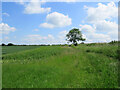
114, 42
82, 42
87, 50
10, 44
3, 44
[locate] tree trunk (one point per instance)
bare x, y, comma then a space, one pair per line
75, 44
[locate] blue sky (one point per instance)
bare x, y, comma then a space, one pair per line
49, 22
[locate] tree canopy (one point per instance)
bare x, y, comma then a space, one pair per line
74, 36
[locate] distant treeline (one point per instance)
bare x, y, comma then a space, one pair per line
11, 44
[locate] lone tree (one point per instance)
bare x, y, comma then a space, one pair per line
74, 36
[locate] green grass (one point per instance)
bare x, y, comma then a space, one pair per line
15, 49
106, 49
62, 67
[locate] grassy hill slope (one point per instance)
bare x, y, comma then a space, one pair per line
62, 67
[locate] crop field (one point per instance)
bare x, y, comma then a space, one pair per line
83, 66
14, 49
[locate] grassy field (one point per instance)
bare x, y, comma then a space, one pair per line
15, 49
84, 66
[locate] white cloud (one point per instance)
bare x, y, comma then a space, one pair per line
114, 34
87, 28
95, 37
47, 25
100, 32
101, 12
6, 14
106, 26
21, 2
101, 27
36, 30
50, 36
56, 19
38, 39
0, 41
49, 39
34, 38
35, 8
62, 35
91, 36
68, 0
6, 29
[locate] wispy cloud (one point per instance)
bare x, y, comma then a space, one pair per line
5, 14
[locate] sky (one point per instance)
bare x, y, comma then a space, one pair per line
49, 22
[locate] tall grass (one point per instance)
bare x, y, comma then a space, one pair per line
105, 49
34, 54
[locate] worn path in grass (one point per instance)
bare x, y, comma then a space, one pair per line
60, 67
